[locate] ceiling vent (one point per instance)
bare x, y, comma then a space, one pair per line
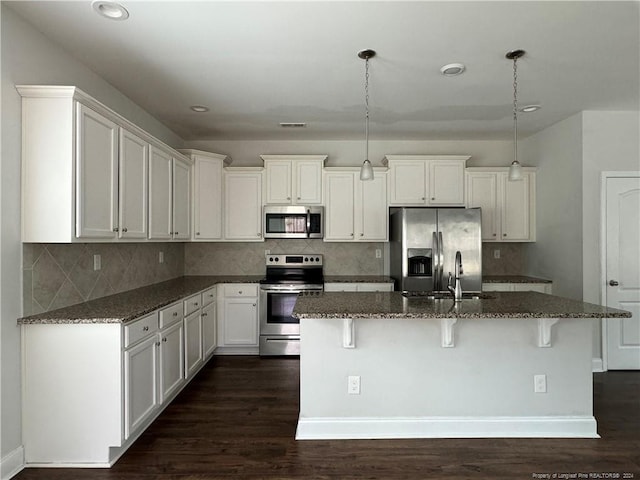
293, 124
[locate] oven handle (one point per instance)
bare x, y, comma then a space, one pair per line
277, 289
308, 222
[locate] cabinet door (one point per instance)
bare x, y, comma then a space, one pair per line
181, 199
339, 206
140, 383
516, 213
372, 214
171, 360
243, 206
240, 321
160, 196
96, 175
192, 343
207, 199
340, 287
133, 196
209, 329
308, 182
408, 183
482, 192
446, 183
278, 182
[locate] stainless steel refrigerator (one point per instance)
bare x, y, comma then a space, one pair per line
423, 243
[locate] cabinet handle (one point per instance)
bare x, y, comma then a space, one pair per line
115, 229
239, 292
164, 339
197, 233
433, 198
254, 304
362, 234
145, 328
504, 234
176, 233
175, 314
352, 234
157, 344
423, 198
288, 198
613, 283
205, 314
125, 230
298, 198
211, 295
195, 304
495, 234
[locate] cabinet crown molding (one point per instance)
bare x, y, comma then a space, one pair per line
294, 157
497, 169
193, 153
422, 158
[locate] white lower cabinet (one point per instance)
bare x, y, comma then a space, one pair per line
192, 343
171, 360
141, 389
358, 287
238, 314
209, 329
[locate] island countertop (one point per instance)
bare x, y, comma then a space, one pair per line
490, 305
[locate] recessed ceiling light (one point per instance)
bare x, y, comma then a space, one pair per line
530, 108
199, 108
452, 69
110, 10
293, 124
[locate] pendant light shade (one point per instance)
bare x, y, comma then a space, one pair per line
366, 171
515, 170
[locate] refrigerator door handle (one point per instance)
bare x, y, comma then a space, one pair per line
440, 261
436, 262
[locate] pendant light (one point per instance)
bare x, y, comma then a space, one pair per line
515, 170
366, 171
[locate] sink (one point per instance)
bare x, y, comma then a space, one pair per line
448, 296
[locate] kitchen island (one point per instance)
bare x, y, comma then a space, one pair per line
502, 364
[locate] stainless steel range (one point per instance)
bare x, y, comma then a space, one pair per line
287, 277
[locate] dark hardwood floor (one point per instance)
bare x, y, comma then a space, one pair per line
237, 420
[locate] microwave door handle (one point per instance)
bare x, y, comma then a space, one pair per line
308, 223
441, 259
435, 260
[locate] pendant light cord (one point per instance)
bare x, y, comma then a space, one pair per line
366, 102
515, 109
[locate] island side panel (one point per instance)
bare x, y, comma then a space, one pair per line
487, 377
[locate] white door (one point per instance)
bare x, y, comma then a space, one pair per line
372, 214
408, 183
516, 201
207, 198
482, 191
140, 383
134, 158
160, 199
240, 322
96, 175
181, 199
339, 206
209, 329
243, 206
192, 343
446, 183
308, 178
622, 237
171, 360
278, 182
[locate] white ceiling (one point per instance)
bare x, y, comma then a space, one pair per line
255, 64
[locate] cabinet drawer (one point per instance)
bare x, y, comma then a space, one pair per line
241, 290
139, 329
192, 304
209, 296
170, 315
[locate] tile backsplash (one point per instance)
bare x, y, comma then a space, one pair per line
59, 275
512, 259
248, 258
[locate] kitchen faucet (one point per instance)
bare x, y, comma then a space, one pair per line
456, 290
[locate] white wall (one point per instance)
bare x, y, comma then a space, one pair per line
610, 142
557, 253
351, 152
30, 58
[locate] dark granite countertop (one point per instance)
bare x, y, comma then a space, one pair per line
512, 279
357, 279
491, 305
126, 306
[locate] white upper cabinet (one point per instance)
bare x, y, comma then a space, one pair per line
84, 169
207, 199
508, 207
133, 181
293, 179
426, 180
355, 210
169, 196
243, 204
97, 175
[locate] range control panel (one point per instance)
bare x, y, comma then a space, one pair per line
297, 260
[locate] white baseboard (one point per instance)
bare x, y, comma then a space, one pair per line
12, 464
237, 351
446, 427
597, 365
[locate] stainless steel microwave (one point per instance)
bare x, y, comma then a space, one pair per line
295, 221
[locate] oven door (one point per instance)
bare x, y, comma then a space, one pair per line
276, 307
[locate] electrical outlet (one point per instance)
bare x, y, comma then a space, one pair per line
353, 385
540, 383
496, 253
97, 262
378, 253
161, 257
